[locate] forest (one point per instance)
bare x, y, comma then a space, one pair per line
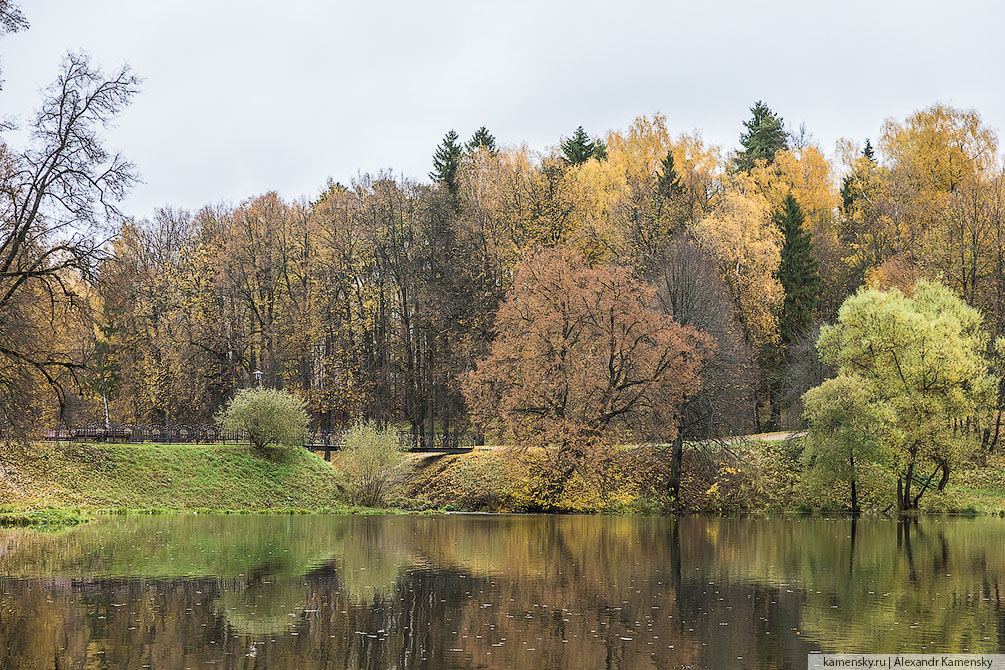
634, 286
374, 299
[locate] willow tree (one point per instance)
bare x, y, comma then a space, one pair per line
921, 361
842, 432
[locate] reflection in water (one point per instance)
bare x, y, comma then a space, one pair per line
495, 592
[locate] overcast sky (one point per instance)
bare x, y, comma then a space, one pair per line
242, 97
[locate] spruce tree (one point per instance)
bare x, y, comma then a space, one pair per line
600, 150
847, 194
765, 137
868, 152
668, 183
446, 161
580, 148
798, 272
482, 139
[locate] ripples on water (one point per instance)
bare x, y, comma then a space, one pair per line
495, 592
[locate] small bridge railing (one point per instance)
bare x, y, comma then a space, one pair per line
209, 433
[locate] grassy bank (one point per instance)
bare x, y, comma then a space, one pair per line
120, 477
58, 485
753, 476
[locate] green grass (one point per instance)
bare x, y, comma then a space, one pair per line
975, 489
177, 477
59, 485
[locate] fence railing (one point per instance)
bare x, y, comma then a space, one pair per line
206, 433
147, 432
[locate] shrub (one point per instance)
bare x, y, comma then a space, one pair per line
370, 459
270, 417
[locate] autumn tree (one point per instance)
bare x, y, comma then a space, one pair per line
582, 359
142, 368
920, 360
11, 18
690, 290
865, 225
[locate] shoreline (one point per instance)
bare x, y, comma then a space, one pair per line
53, 486
54, 519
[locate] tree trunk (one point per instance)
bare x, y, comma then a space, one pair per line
993, 444
908, 480
914, 503
945, 477
447, 441
776, 407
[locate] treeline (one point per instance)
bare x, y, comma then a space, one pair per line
376, 299
372, 300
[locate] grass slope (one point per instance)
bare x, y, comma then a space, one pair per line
766, 475
169, 477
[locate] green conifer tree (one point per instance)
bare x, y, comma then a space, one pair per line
668, 182
600, 150
482, 139
580, 148
868, 152
765, 137
446, 160
798, 273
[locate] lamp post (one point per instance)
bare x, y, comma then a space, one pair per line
258, 377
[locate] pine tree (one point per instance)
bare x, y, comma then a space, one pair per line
765, 137
580, 148
482, 139
446, 161
798, 272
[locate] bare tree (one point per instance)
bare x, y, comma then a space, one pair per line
56, 197
690, 290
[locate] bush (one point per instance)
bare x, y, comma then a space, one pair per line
270, 417
370, 459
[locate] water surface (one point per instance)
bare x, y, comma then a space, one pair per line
464, 591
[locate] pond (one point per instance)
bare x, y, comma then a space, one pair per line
470, 591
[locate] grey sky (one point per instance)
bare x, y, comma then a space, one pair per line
242, 97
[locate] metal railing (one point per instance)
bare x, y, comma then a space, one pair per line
210, 433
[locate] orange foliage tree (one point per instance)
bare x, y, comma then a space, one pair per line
583, 359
